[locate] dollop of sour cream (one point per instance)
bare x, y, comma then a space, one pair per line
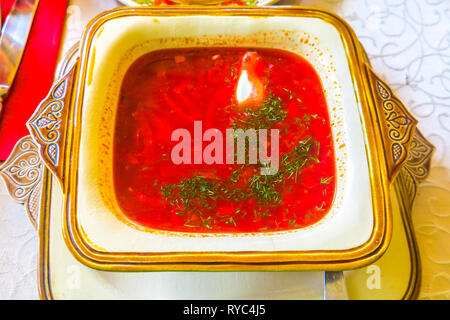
250, 89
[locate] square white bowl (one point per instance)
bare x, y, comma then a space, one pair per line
120, 41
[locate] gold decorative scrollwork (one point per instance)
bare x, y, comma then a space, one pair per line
48, 124
22, 172
396, 124
419, 157
417, 165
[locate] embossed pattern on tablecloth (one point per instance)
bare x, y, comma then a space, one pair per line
408, 42
18, 251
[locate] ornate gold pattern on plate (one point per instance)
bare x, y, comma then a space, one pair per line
417, 166
48, 124
415, 170
397, 124
22, 173
418, 161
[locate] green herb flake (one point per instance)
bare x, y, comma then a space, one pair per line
291, 94
325, 180
293, 223
265, 116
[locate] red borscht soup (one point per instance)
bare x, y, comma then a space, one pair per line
172, 168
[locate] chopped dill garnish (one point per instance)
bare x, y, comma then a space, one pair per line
270, 112
197, 198
199, 195
325, 180
293, 223
291, 94
231, 221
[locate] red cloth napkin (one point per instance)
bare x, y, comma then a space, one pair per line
35, 75
6, 7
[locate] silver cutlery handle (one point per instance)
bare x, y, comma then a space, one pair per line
334, 285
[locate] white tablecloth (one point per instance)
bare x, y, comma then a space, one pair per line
408, 42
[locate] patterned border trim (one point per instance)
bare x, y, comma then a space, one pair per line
417, 166
22, 172
48, 124
397, 124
